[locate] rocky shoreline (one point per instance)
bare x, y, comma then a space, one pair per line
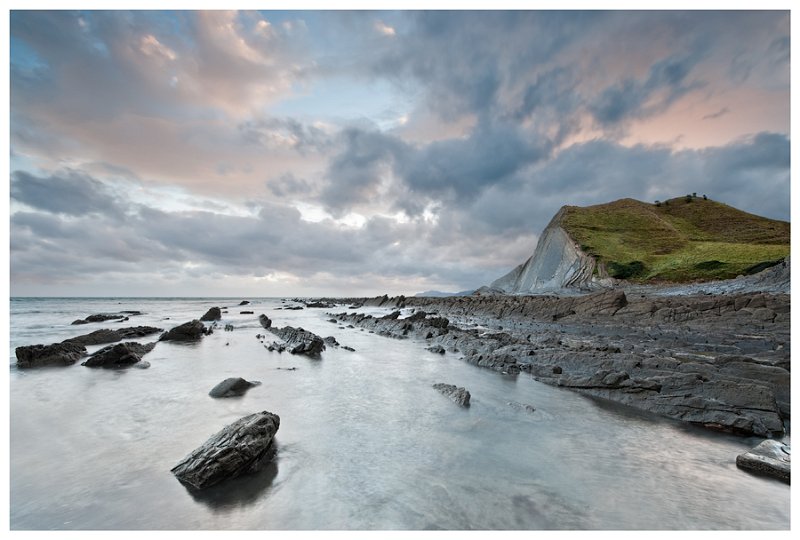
719, 361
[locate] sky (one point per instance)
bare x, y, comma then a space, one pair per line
356, 153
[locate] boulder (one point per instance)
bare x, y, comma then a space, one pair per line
458, 395
189, 331
436, 349
243, 447
246, 313
56, 354
299, 341
244, 302
233, 386
265, 321
119, 355
110, 336
213, 314
770, 458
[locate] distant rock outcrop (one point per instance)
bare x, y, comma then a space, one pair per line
213, 314
190, 331
110, 336
243, 447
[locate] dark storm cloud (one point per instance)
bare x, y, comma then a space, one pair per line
464, 167
71, 193
632, 98
354, 173
454, 170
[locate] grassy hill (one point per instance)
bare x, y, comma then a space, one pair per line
680, 240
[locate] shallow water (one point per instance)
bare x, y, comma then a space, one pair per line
364, 442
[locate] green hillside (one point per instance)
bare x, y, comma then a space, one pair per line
682, 239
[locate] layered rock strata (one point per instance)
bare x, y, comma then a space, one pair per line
243, 447
718, 361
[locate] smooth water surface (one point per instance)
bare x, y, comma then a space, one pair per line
364, 441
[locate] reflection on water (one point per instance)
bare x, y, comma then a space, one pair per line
364, 442
237, 492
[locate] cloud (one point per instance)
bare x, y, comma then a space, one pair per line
666, 82
384, 29
69, 193
722, 112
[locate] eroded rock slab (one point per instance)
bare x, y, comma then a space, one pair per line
190, 331
299, 341
119, 355
232, 387
242, 447
56, 354
101, 317
110, 336
459, 395
770, 458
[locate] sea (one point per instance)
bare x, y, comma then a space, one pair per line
365, 442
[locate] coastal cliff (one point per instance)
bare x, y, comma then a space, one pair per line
684, 240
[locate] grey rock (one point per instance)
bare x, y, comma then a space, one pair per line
56, 354
119, 355
100, 317
437, 349
458, 395
213, 314
770, 458
234, 386
243, 447
110, 336
347, 348
244, 302
299, 341
246, 313
265, 321
330, 340
190, 331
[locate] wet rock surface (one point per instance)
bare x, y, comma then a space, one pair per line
769, 458
119, 355
459, 395
213, 314
111, 335
190, 331
243, 447
56, 354
101, 317
298, 341
720, 361
234, 386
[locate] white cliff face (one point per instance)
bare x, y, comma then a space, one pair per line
557, 263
